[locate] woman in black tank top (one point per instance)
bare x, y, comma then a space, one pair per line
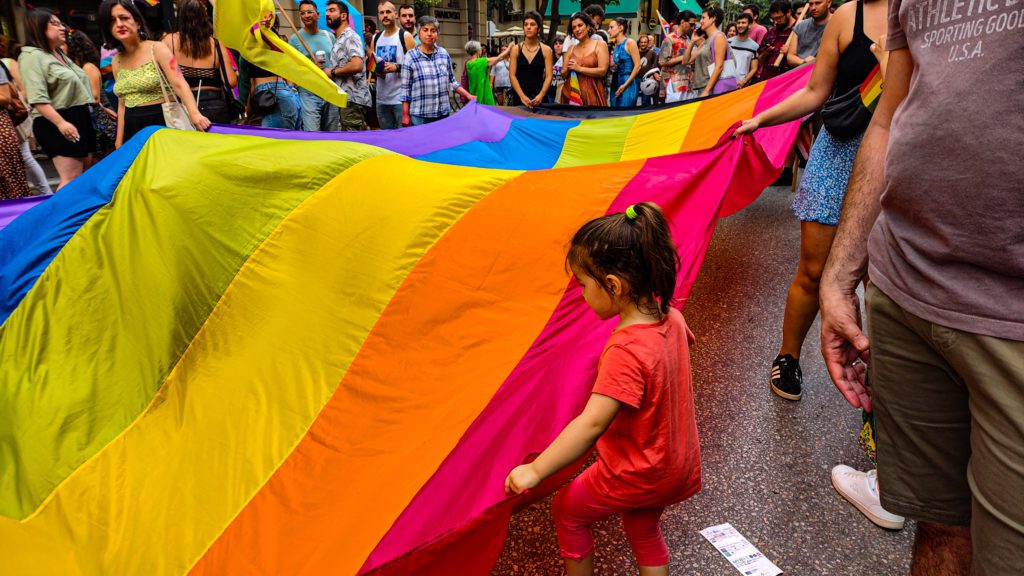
531, 63
206, 70
856, 61
844, 62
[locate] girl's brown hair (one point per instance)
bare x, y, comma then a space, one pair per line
638, 250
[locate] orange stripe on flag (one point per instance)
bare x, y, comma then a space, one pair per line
716, 115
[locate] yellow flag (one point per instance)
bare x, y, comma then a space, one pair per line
237, 25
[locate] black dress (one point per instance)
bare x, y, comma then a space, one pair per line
530, 75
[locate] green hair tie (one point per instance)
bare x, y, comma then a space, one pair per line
631, 212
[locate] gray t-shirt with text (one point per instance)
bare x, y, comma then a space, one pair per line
948, 245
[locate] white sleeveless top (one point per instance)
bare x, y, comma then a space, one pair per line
389, 49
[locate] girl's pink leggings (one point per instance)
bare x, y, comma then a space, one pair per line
575, 510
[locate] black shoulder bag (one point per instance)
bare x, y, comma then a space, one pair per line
846, 115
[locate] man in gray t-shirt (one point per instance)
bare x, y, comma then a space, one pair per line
934, 216
808, 32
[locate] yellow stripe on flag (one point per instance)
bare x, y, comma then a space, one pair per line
237, 24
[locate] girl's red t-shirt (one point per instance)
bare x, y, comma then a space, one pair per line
650, 455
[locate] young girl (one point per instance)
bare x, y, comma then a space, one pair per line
640, 413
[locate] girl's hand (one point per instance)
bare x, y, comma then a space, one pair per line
111, 113
619, 92
521, 478
200, 122
535, 102
68, 130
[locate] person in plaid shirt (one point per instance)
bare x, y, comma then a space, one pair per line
426, 78
774, 42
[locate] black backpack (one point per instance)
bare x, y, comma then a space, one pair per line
401, 38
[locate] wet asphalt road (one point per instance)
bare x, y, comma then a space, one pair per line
766, 461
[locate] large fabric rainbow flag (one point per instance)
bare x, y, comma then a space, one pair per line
229, 354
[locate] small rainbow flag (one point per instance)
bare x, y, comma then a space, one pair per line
575, 95
871, 89
371, 63
665, 25
152, 2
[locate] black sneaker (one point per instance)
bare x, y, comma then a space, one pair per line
786, 377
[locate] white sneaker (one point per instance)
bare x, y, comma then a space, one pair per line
861, 490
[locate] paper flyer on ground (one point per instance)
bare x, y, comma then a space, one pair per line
739, 551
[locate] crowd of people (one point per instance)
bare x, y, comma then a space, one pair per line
85, 101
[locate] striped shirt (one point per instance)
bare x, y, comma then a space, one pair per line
426, 79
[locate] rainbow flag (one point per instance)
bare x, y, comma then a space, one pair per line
237, 25
665, 25
575, 96
371, 62
296, 369
871, 89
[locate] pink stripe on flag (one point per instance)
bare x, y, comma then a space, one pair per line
776, 90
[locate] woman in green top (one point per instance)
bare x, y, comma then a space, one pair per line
478, 71
58, 91
138, 68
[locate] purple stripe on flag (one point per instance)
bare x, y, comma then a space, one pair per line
472, 123
11, 209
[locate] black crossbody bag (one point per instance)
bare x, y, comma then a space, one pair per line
845, 116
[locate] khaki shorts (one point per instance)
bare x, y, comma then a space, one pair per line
949, 417
353, 117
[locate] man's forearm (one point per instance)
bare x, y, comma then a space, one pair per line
847, 261
353, 66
